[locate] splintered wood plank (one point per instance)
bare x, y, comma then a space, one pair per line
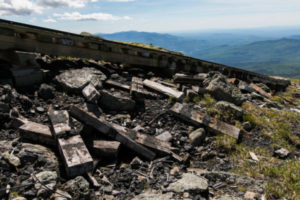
190, 115
38, 133
60, 122
197, 118
114, 132
164, 89
260, 90
137, 89
76, 156
106, 148
118, 85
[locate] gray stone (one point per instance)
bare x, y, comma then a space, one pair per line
245, 87
76, 79
48, 179
197, 136
152, 195
61, 195
46, 91
282, 153
90, 93
116, 102
226, 106
247, 126
264, 87
77, 187
165, 136
218, 86
11, 158
189, 182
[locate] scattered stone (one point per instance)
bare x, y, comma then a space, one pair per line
175, 170
197, 136
40, 109
221, 89
46, 91
228, 197
260, 90
48, 179
253, 156
115, 102
74, 80
12, 159
250, 196
165, 136
282, 153
77, 187
247, 126
136, 163
245, 87
61, 195
91, 94
189, 183
264, 87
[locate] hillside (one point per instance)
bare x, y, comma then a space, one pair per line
271, 57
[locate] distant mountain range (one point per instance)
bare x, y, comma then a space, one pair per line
262, 54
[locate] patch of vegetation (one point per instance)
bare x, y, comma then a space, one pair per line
226, 143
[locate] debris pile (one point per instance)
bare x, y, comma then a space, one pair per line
118, 133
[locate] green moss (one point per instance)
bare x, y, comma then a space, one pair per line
226, 143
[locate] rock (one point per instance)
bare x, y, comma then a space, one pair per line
282, 153
11, 158
61, 195
165, 136
90, 93
189, 182
136, 163
40, 109
75, 80
48, 179
25, 101
247, 126
245, 87
46, 92
78, 187
19, 198
175, 170
116, 102
226, 106
152, 195
221, 89
197, 136
250, 196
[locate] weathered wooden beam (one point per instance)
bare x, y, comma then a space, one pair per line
190, 115
164, 89
107, 129
76, 156
218, 126
137, 89
60, 122
107, 149
189, 79
118, 85
199, 119
38, 133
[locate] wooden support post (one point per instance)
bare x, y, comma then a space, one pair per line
118, 85
164, 89
189, 79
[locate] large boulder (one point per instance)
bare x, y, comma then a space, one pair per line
189, 183
45, 183
115, 101
78, 188
221, 89
75, 80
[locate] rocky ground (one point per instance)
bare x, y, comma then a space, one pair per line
261, 163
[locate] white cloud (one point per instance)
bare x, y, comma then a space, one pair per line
49, 20
76, 16
121, 0
19, 7
64, 3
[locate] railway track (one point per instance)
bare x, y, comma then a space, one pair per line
16, 36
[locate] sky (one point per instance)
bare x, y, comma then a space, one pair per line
107, 16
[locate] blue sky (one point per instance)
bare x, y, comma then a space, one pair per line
106, 16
